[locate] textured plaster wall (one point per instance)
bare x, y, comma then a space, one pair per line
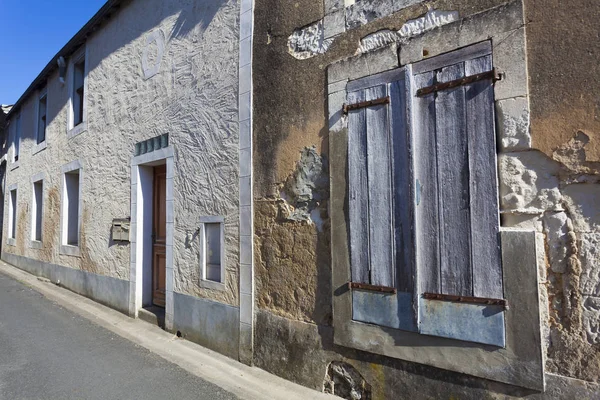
192, 97
558, 174
293, 270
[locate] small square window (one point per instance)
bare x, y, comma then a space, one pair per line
212, 254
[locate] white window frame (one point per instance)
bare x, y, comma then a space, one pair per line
37, 244
72, 129
209, 284
66, 248
37, 147
13, 215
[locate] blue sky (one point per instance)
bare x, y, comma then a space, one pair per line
31, 33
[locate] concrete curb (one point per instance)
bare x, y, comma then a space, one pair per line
243, 381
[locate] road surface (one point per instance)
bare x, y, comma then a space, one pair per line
47, 352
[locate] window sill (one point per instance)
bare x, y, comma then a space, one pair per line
11, 241
15, 165
68, 250
39, 147
77, 130
212, 285
36, 244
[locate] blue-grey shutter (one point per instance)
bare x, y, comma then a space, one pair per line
380, 202
456, 215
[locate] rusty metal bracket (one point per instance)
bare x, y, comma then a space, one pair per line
363, 104
371, 288
467, 299
459, 82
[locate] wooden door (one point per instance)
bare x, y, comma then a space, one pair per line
159, 236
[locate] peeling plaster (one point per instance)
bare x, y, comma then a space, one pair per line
306, 189
414, 27
529, 183
309, 41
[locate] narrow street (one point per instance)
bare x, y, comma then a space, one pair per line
48, 352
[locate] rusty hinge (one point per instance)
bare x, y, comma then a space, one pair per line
349, 107
458, 82
371, 288
466, 299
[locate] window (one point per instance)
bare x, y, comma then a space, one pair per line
77, 94
212, 253
423, 202
12, 214
17, 139
37, 210
78, 91
42, 117
71, 207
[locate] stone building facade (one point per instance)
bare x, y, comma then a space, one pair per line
261, 116
308, 59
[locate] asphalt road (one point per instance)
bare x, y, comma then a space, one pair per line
47, 352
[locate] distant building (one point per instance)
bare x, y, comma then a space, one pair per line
377, 199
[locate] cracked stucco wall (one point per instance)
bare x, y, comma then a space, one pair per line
192, 97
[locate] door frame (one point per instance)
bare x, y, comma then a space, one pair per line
141, 242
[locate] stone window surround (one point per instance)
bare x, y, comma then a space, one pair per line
81, 54
67, 249
10, 241
37, 147
39, 177
202, 262
520, 364
165, 155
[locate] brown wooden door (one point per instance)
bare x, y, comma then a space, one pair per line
159, 236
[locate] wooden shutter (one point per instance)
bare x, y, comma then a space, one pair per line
380, 200
457, 223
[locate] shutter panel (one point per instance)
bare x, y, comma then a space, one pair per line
380, 189
453, 185
402, 188
457, 206
487, 280
426, 187
379, 180
358, 199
